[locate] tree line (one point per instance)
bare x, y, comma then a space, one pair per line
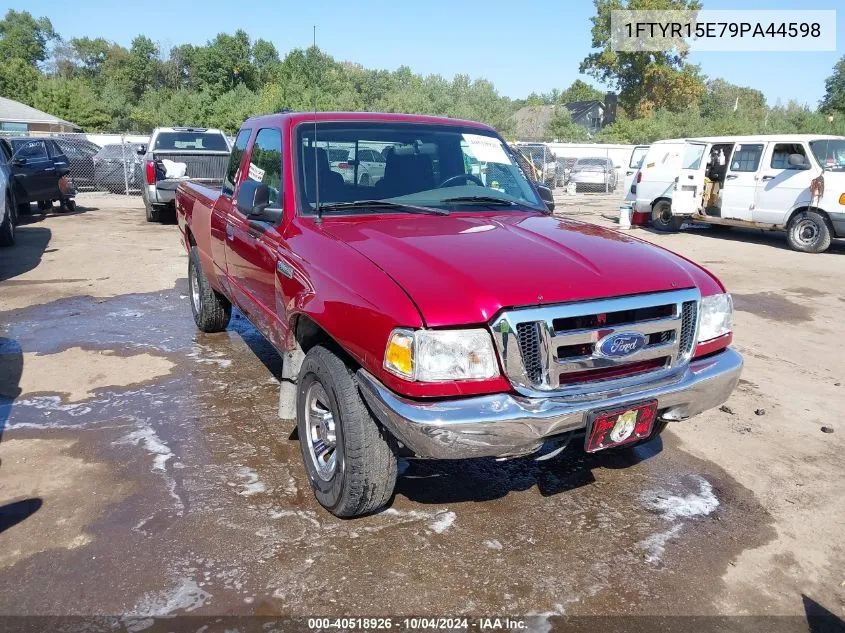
105, 87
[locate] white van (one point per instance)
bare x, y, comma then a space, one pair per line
634, 163
790, 182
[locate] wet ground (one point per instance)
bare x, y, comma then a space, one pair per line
145, 472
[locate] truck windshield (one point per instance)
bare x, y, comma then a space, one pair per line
830, 153
190, 141
427, 165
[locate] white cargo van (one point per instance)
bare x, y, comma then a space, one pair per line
791, 182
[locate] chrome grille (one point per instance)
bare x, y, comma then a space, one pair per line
529, 346
556, 348
688, 326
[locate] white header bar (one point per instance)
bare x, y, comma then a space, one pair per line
723, 30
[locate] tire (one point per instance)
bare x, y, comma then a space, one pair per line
364, 180
362, 475
808, 232
663, 220
67, 206
211, 310
7, 227
154, 214
44, 206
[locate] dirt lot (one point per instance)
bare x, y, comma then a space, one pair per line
145, 471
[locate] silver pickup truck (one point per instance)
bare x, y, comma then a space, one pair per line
204, 152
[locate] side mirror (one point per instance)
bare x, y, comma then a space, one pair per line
141, 150
546, 196
254, 200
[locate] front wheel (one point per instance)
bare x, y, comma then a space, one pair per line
349, 461
808, 232
211, 310
7, 226
662, 218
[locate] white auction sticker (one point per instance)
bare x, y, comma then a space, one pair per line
486, 149
255, 172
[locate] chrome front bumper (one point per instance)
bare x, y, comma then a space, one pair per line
506, 425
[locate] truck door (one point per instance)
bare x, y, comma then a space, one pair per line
784, 182
689, 183
224, 207
637, 156
33, 171
251, 246
739, 192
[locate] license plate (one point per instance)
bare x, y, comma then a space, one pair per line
616, 427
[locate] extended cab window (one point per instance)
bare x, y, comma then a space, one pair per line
265, 164
235, 162
781, 152
746, 157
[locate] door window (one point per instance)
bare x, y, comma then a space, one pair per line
265, 164
235, 162
692, 157
781, 152
31, 150
746, 158
637, 157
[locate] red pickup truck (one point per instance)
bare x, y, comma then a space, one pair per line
441, 311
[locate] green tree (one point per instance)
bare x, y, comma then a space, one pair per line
723, 98
562, 128
24, 37
834, 95
18, 80
579, 91
646, 81
73, 100
144, 69
224, 63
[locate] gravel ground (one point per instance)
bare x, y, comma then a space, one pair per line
145, 471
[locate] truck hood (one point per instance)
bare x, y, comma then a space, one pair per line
464, 268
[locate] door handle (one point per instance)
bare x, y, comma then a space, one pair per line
691, 177
767, 178
731, 177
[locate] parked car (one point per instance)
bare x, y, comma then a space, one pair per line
80, 153
564, 168
118, 166
594, 174
435, 316
205, 153
39, 173
783, 182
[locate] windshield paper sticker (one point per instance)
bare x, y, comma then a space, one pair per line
486, 149
255, 172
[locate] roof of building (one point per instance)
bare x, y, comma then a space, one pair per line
531, 121
580, 108
17, 112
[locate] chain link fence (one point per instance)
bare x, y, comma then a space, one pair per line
97, 162
582, 167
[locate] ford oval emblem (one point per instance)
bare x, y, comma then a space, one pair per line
621, 344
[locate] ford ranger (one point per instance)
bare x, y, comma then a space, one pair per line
441, 314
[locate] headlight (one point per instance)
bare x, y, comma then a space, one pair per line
716, 318
441, 355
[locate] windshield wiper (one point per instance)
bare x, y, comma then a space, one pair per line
379, 204
481, 200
